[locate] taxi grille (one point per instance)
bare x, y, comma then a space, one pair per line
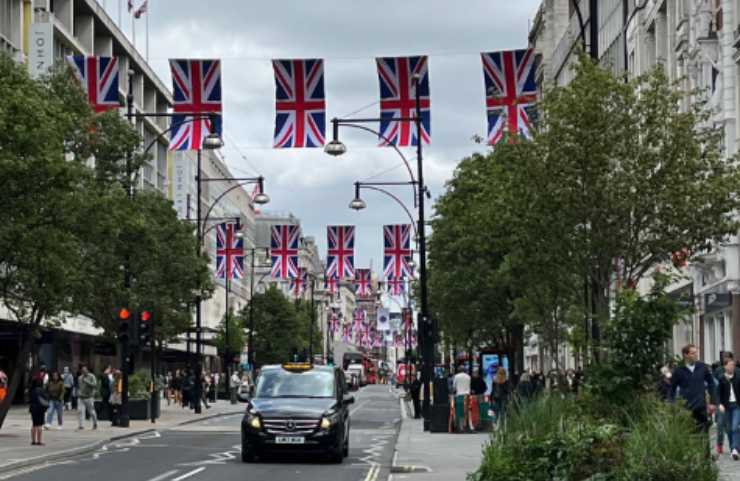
290, 427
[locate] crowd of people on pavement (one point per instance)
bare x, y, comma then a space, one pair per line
52, 393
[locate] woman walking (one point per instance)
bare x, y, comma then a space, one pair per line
500, 393
729, 395
55, 390
39, 404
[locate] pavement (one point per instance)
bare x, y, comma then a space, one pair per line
425, 456
207, 449
15, 438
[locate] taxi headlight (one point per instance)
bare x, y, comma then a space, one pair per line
329, 420
255, 423
325, 423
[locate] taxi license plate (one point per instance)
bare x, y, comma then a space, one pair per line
290, 440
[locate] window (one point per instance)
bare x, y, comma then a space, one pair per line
6, 19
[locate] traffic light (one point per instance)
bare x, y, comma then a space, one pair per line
144, 330
124, 316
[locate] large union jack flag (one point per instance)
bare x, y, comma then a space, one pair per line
284, 251
197, 93
363, 282
397, 252
229, 252
298, 284
341, 254
99, 79
300, 119
511, 92
396, 286
398, 99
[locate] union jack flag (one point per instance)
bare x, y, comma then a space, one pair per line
341, 255
398, 100
300, 119
397, 253
298, 284
363, 282
196, 93
396, 286
511, 92
331, 285
99, 79
229, 252
284, 251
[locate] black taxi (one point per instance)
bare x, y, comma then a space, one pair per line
298, 407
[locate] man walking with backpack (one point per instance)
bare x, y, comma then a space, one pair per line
86, 394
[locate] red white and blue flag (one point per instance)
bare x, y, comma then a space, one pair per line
396, 286
229, 252
341, 254
99, 79
398, 100
397, 251
196, 93
298, 284
363, 282
284, 251
331, 285
511, 93
300, 116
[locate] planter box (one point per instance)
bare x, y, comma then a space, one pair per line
139, 409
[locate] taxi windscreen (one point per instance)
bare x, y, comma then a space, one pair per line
279, 383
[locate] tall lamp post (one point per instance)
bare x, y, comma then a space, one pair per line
250, 339
427, 334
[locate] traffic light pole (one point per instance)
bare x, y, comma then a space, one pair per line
153, 366
198, 394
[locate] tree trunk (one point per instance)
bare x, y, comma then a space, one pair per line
17, 376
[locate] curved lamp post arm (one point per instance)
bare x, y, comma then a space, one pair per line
171, 127
398, 201
391, 144
223, 194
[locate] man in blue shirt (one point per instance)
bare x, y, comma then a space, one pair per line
695, 381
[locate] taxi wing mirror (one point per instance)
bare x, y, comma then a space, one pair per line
349, 400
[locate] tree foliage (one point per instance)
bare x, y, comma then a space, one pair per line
617, 178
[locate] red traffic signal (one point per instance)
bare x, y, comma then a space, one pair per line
124, 314
146, 316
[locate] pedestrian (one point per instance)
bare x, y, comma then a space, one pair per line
526, 386
205, 386
695, 382
3, 385
188, 388
664, 385
212, 387
69, 385
478, 390
87, 384
461, 386
177, 386
39, 405
415, 390
500, 392
116, 397
216, 385
106, 379
234, 383
55, 391
76, 388
729, 394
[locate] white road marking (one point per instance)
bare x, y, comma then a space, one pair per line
354, 410
189, 474
164, 475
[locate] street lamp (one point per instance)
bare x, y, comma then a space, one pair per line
427, 335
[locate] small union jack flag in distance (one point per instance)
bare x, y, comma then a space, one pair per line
298, 284
511, 92
363, 282
397, 251
284, 251
340, 257
229, 252
197, 93
300, 104
398, 99
99, 79
331, 285
396, 286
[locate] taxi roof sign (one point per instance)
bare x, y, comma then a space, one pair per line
297, 366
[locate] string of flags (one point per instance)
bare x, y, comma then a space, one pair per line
300, 97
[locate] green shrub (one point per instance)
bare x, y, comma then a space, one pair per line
664, 446
138, 385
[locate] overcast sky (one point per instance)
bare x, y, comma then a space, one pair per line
348, 34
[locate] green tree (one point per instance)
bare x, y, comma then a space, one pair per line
44, 142
237, 339
280, 327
